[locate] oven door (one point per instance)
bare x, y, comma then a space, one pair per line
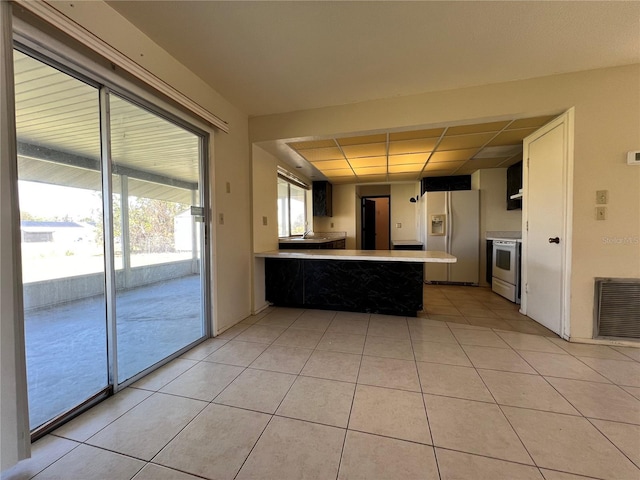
504, 261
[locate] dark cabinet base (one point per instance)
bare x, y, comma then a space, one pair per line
392, 288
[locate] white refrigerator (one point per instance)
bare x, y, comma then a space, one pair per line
450, 222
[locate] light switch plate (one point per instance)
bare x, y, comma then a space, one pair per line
398, 225
228, 187
602, 197
264, 221
601, 213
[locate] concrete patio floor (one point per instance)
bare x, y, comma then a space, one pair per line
66, 345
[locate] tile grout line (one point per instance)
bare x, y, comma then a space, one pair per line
424, 402
611, 442
353, 400
500, 407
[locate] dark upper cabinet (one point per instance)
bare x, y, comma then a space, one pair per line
322, 199
514, 184
446, 184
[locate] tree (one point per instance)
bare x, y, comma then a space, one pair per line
151, 225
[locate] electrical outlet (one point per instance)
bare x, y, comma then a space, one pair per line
264, 221
228, 187
221, 219
602, 197
331, 224
601, 213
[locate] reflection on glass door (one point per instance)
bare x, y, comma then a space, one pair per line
156, 174
63, 272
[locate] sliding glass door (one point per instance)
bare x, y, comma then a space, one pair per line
95, 320
63, 268
156, 176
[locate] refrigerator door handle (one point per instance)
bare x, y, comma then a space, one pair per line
449, 231
450, 221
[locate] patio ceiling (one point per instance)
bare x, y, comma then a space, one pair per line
58, 130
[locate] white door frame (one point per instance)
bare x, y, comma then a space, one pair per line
566, 121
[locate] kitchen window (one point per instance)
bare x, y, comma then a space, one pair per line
292, 208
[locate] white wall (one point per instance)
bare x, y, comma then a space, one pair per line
607, 125
403, 211
265, 237
494, 216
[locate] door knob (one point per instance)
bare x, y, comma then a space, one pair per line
554, 240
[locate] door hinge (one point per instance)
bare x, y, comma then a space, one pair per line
527, 226
527, 163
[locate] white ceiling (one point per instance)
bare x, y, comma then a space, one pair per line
269, 57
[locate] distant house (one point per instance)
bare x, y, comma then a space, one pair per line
56, 232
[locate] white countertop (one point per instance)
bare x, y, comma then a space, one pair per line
314, 238
416, 256
503, 235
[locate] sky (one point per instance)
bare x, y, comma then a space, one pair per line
49, 201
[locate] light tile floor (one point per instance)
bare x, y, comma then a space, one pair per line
470, 389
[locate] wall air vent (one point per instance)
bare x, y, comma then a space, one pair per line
617, 307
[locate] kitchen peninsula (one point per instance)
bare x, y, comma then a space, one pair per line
371, 281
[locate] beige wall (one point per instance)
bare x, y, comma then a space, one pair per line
344, 214
403, 211
230, 155
607, 125
494, 216
265, 237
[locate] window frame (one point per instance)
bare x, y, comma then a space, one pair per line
290, 183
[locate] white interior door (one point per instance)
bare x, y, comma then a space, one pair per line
546, 233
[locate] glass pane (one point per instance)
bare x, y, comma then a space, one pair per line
283, 208
158, 297
59, 186
503, 259
297, 210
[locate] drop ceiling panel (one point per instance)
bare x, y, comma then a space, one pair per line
320, 154
372, 178
443, 166
365, 150
416, 167
512, 137
331, 165
476, 128
452, 155
403, 177
415, 134
379, 138
531, 122
312, 144
370, 171
465, 141
421, 145
368, 162
401, 156
408, 158
341, 172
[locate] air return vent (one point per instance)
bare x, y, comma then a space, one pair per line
617, 307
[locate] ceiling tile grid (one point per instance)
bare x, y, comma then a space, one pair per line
413, 154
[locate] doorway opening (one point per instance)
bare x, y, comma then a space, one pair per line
376, 222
